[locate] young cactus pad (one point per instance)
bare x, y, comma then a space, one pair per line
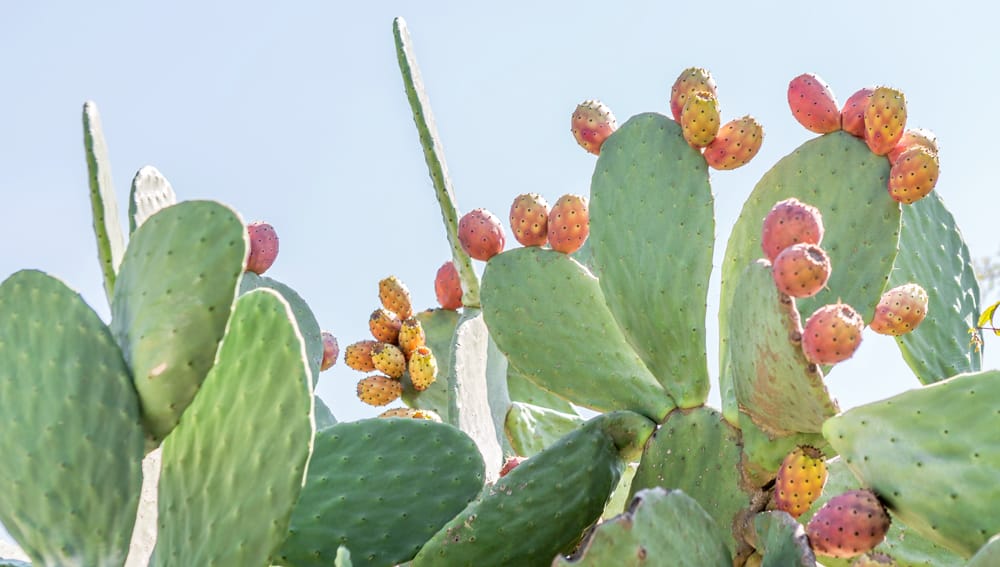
150, 192
107, 227
233, 468
782, 540
72, 440
654, 272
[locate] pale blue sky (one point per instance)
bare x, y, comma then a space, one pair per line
294, 113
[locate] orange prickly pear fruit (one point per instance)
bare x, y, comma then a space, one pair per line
790, 222
359, 355
800, 480
813, 104
691, 80
395, 297
591, 124
736, 144
411, 413
569, 224
389, 360
913, 175
379, 390
885, 120
529, 219
448, 286
384, 325
481, 234
801, 270
832, 334
852, 116
411, 336
848, 525
900, 310
911, 138
423, 368
700, 119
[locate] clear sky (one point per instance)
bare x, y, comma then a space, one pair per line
294, 113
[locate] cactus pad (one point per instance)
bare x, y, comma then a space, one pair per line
547, 313
439, 326
933, 254
521, 389
763, 452
104, 205
782, 541
175, 289
775, 385
931, 454
654, 273
233, 468
531, 429
660, 527
150, 192
349, 497
72, 440
323, 416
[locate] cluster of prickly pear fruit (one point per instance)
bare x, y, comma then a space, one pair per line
564, 227
399, 347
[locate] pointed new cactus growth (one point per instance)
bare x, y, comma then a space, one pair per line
72, 437
246, 477
150, 192
659, 527
349, 499
104, 206
931, 454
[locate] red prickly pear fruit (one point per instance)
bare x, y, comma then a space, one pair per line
691, 80
379, 390
885, 120
848, 525
813, 104
900, 310
529, 219
592, 123
911, 138
384, 325
389, 360
800, 480
852, 116
411, 336
801, 270
411, 413
448, 286
263, 247
790, 222
331, 350
832, 334
359, 355
481, 234
423, 368
700, 119
874, 560
736, 144
510, 464
395, 297
913, 175
569, 224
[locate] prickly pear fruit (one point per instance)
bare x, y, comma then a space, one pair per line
331, 350
379, 390
411, 413
801, 270
263, 247
736, 144
395, 297
790, 222
911, 138
569, 224
448, 286
481, 234
592, 123
510, 464
849, 524
359, 355
700, 119
874, 560
800, 480
389, 360
384, 325
529, 219
900, 310
913, 175
885, 120
832, 334
852, 116
411, 336
423, 368
691, 80
813, 104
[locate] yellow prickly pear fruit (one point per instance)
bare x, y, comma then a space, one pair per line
379, 390
384, 325
411, 413
800, 480
885, 120
423, 368
395, 297
389, 359
700, 119
691, 80
359, 355
411, 336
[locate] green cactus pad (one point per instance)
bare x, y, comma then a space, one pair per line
933, 254
931, 454
174, 293
775, 385
308, 326
439, 327
763, 452
531, 429
521, 389
72, 441
542, 507
907, 547
988, 555
381, 487
233, 467
547, 313
839, 175
698, 452
150, 192
654, 271
324, 417
103, 203
782, 541
660, 528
